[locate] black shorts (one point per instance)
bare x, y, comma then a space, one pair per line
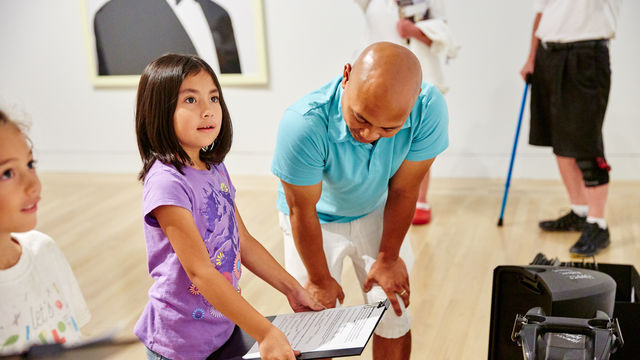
569, 95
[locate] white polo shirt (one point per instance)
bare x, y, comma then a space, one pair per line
576, 20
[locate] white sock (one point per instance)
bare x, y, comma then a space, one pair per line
580, 210
602, 223
423, 206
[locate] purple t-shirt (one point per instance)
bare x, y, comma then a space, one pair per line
178, 322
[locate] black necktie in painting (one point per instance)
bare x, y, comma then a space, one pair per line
223, 36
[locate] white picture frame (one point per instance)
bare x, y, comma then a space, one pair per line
116, 68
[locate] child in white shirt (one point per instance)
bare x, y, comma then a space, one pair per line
40, 300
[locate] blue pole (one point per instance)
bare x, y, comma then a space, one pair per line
513, 154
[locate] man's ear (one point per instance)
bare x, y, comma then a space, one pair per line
346, 72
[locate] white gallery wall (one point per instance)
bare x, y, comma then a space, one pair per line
44, 79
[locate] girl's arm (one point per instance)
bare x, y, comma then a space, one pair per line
177, 223
258, 260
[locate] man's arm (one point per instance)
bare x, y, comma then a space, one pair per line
529, 64
307, 235
389, 271
407, 29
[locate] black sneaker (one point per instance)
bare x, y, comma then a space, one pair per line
592, 240
569, 222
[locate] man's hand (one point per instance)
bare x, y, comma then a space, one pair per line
407, 29
392, 276
326, 292
301, 300
527, 68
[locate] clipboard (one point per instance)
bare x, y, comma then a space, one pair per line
240, 343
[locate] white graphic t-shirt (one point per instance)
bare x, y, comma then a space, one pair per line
40, 300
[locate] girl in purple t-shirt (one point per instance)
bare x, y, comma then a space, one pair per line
196, 240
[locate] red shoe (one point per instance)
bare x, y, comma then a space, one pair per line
421, 216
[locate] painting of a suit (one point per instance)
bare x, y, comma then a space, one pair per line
130, 34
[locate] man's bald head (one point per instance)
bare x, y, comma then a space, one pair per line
381, 86
387, 66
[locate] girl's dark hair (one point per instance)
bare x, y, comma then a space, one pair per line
156, 102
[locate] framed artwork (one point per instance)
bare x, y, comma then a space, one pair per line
123, 36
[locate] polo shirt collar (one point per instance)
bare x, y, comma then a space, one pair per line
338, 130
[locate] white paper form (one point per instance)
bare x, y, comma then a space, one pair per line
331, 329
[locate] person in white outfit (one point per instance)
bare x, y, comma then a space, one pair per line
40, 299
419, 25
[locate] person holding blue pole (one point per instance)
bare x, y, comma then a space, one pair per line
571, 78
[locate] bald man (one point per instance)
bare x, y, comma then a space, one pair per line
350, 157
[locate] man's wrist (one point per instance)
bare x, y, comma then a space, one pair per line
417, 33
320, 277
387, 256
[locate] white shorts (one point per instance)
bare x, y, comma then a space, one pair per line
359, 240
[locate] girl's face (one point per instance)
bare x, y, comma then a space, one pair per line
198, 114
19, 184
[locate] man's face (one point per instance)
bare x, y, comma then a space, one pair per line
369, 115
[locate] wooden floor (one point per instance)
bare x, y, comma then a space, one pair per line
96, 220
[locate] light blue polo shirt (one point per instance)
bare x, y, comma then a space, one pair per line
314, 145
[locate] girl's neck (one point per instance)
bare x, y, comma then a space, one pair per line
10, 251
199, 165
196, 163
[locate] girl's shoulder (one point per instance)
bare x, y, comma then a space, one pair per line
163, 181
160, 172
40, 248
35, 241
159, 167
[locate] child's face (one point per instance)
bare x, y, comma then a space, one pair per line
19, 184
198, 114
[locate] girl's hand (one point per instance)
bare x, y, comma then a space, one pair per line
275, 346
301, 300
